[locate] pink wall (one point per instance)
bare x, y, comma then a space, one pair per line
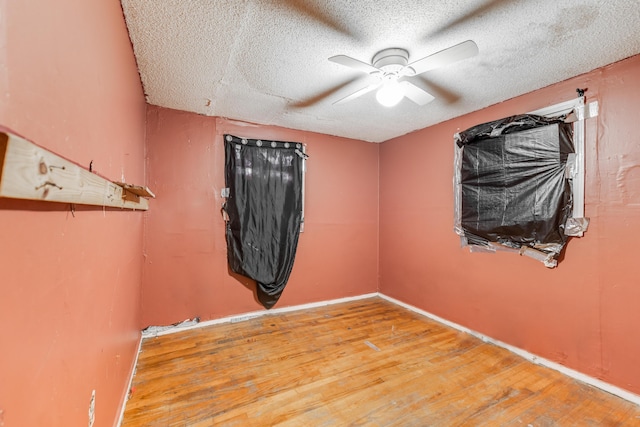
70, 301
185, 270
71, 294
583, 314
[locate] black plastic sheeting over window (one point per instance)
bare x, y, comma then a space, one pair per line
264, 209
513, 190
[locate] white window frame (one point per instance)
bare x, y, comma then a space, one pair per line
304, 183
581, 112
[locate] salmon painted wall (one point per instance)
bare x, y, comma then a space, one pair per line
583, 314
70, 286
185, 271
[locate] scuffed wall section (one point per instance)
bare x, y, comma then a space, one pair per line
185, 271
583, 314
70, 301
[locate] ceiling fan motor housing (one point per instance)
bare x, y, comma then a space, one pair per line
391, 60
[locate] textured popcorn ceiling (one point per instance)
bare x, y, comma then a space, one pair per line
266, 61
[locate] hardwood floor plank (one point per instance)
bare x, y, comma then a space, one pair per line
361, 363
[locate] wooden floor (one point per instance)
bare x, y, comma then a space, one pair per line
363, 363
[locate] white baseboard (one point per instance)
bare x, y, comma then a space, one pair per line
254, 314
123, 404
609, 388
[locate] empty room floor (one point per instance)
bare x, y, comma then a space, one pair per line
362, 363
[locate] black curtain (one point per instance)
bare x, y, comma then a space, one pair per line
264, 209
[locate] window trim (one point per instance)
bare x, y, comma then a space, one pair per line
577, 169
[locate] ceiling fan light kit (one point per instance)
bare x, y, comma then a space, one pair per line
390, 94
391, 62
394, 72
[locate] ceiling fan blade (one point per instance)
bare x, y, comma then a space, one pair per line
441, 93
350, 62
358, 93
330, 93
487, 7
416, 94
318, 13
461, 51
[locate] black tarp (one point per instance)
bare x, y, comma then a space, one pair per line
264, 210
514, 186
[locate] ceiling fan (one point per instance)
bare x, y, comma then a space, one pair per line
393, 72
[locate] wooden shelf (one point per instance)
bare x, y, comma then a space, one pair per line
28, 171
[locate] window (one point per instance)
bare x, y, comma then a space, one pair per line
519, 182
